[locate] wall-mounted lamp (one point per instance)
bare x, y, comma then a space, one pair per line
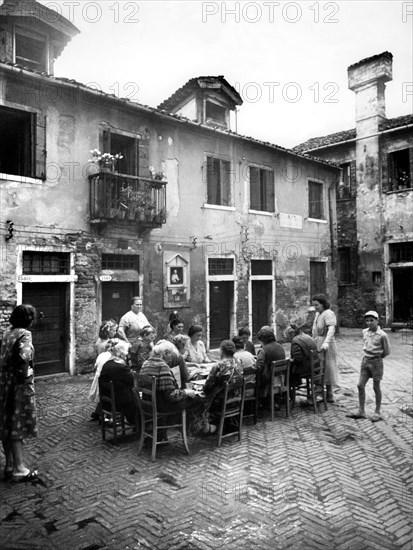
10, 227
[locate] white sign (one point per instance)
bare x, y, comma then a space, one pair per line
105, 277
293, 221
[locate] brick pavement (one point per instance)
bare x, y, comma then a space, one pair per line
309, 482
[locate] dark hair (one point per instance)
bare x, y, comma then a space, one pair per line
294, 329
228, 347
105, 327
266, 335
22, 316
147, 329
244, 330
133, 300
193, 329
238, 342
173, 315
321, 299
175, 322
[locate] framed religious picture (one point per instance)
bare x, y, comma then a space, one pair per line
176, 275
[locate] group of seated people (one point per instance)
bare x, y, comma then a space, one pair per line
171, 359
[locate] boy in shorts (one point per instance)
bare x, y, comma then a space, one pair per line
376, 347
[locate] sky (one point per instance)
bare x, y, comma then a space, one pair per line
288, 60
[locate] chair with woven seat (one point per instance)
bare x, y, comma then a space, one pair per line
232, 409
251, 394
155, 423
112, 420
280, 384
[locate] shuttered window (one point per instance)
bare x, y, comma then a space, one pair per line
218, 181
262, 189
399, 164
22, 143
315, 200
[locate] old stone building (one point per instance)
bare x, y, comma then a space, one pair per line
374, 200
224, 228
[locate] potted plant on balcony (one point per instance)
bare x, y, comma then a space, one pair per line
106, 162
136, 203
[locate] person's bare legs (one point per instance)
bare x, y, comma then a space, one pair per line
377, 390
19, 469
361, 386
8, 455
329, 396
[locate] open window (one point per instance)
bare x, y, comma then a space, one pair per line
215, 114
30, 49
218, 181
127, 146
399, 170
262, 189
22, 143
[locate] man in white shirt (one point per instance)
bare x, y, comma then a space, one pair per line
133, 322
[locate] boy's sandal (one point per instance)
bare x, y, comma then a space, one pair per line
355, 415
376, 418
31, 476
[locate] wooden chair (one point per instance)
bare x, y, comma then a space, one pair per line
317, 363
251, 393
112, 420
280, 384
314, 381
232, 408
153, 422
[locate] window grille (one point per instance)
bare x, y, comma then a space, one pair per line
401, 252
220, 266
120, 261
46, 263
261, 267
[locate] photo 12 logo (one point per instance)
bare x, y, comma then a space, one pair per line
270, 12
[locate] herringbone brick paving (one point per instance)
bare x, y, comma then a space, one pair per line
309, 482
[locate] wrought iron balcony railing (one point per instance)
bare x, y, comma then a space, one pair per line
114, 197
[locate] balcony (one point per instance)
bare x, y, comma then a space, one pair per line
127, 199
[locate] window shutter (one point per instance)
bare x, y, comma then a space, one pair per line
353, 179
225, 171
40, 152
254, 188
104, 140
269, 190
213, 180
143, 158
390, 172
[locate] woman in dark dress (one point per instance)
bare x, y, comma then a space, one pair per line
17, 400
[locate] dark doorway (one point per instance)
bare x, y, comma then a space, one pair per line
221, 296
317, 278
50, 332
116, 298
403, 294
261, 305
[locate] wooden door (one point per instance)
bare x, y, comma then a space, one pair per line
116, 298
261, 305
317, 278
221, 296
50, 331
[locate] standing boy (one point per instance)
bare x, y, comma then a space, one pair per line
376, 347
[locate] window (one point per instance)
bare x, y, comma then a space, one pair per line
120, 261
344, 271
346, 187
215, 113
401, 252
399, 173
262, 189
218, 181
22, 143
31, 49
115, 143
315, 200
220, 266
261, 267
46, 263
